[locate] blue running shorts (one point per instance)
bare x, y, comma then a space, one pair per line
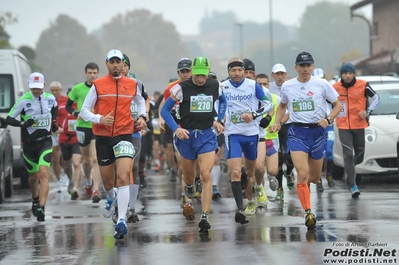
199, 142
312, 141
236, 145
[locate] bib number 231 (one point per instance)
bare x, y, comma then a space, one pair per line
123, 149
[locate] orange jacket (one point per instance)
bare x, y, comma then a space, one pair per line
353, 101
114, 95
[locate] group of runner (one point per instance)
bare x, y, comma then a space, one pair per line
108, 127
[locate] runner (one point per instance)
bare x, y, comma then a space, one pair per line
306, 98
85, 137
110, 98
38, 111
195, 138
242, 131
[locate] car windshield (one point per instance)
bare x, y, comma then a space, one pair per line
389, 102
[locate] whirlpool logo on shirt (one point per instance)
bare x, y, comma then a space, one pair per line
238, 97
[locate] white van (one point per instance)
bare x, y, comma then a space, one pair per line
14, 74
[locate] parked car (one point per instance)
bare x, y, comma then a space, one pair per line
397, 147
6, 159
381, 148
372, 79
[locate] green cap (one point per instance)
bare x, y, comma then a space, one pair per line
200, 66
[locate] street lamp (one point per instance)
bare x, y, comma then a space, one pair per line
370, 30
240, 25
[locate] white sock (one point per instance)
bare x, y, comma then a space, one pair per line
123, 201
134, 192
110, 193
156, 162
215, 175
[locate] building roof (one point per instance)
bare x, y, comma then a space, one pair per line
363, 3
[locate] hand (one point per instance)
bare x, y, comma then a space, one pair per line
141, 123
54, 127
181, 133
323, 122
161, 124
143, 132
218, 127
363, 114
108, 119
247, 117
27, 123
265, 121
275, 127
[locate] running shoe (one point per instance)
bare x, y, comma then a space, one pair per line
261, 197
355, 191
70, 186
189, 190
279, 195
251, 208
89, 191
59, 186
131, 216
319, 186
331, 182
96, 197
241, 217
35, 205
74, 194
157, 168
120, 229
310, 220
204, 225
290, 180
40, 213
173, 175
215, 193
188, 211
143, 182
109, 207
198, 184
273, 182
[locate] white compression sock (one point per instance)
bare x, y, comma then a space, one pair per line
110, 193
215, 175
134, 192
123, 201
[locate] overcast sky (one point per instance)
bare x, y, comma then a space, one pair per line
35, 16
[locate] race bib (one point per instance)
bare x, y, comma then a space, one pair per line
41, 121
201, 103
236, 117
71, 125
123, 149
81, 136
134, 111
342, 113
303, 105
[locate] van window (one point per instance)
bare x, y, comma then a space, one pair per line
6, 92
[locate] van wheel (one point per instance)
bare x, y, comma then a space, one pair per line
2, 185
337, 172
8, 179
22, 173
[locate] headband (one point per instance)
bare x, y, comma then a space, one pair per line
234, 64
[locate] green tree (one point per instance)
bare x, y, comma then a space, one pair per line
153, 45
5, 19
30, 54
65, 48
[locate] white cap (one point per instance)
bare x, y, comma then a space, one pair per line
36, 80
114, 53
278, 67
318, 72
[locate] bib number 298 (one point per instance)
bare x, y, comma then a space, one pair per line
123, 149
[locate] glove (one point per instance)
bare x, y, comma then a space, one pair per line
75, 113
28, 123
3, 123
54, 127
265, 121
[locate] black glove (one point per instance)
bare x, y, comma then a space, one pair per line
28, 123
3, 123
54, 127
265, 121
75, 113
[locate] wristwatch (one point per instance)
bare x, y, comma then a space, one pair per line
329, 120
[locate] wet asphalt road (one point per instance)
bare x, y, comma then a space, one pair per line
76, 233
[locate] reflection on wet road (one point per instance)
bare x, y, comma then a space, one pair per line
76, 233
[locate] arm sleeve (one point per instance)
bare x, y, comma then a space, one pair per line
13, 114
140, 102
54, 113
167, 116
266, 104
88, 105
222, 106
375, 99
69, 107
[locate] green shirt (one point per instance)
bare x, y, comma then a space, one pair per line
78, 94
